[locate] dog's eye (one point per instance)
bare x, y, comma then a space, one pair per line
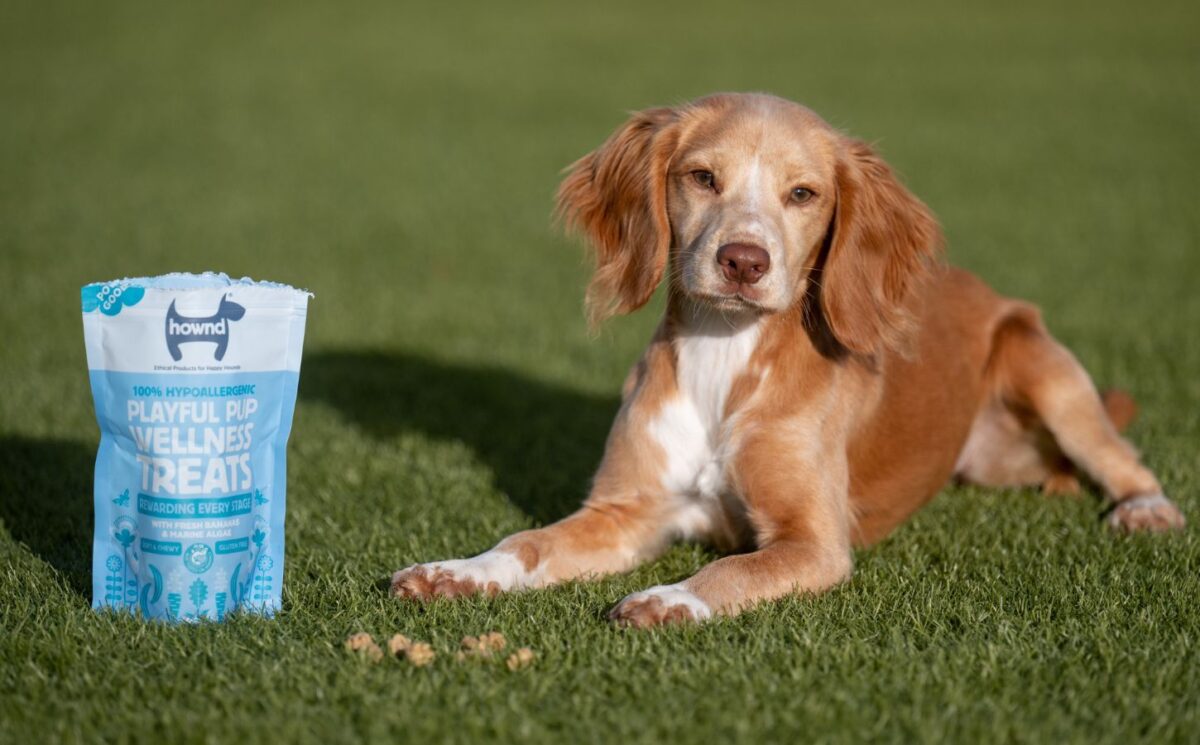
704, 178
800, 195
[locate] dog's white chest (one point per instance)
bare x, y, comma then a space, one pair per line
692, 427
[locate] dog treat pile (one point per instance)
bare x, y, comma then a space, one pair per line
482, 648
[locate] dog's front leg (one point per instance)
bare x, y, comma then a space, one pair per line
603, 537
627, 519
793, 477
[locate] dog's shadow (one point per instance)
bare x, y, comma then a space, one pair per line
542, 441
46, 502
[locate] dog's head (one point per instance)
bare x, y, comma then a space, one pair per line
756, 204
231, 310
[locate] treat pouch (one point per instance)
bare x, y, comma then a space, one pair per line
194, 380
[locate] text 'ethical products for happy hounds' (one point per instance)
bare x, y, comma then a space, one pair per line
194, 379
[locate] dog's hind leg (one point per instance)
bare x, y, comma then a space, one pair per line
1040, 382
1009, 446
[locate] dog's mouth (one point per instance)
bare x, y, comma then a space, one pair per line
735, 300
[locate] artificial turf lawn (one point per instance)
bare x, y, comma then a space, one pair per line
399, 161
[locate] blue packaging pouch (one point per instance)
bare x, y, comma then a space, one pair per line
194, 379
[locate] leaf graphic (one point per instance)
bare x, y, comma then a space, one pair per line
198, 592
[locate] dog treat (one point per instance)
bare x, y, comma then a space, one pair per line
363, 645
523, 657
398, 645
419, 654
493, 640
359, 641
471, 645
194, 380
482, 646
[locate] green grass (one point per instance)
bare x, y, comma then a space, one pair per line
400, 161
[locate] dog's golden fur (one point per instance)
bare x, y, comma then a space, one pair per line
793, 417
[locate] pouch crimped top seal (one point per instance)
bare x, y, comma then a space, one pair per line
194, 379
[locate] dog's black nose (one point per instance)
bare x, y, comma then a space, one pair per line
744, 263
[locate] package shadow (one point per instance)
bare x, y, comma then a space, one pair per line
46, 502
541, 441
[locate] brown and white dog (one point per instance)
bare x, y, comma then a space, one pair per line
818, 376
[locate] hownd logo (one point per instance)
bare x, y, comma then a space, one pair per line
213, 329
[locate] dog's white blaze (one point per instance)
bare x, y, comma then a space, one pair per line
496, 565
673, 595
691, 428
749, 226
754, 185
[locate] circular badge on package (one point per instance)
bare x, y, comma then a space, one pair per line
198, 558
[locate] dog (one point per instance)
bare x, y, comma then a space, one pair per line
819, 373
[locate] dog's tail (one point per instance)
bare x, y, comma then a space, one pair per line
1120, 407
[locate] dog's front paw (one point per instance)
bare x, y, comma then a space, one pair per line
659, 605
489, 573
1149, 512
427, 581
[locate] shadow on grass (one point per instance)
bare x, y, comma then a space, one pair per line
46, 502
542, 441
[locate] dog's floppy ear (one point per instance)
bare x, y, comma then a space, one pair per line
882, 243
617, 196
